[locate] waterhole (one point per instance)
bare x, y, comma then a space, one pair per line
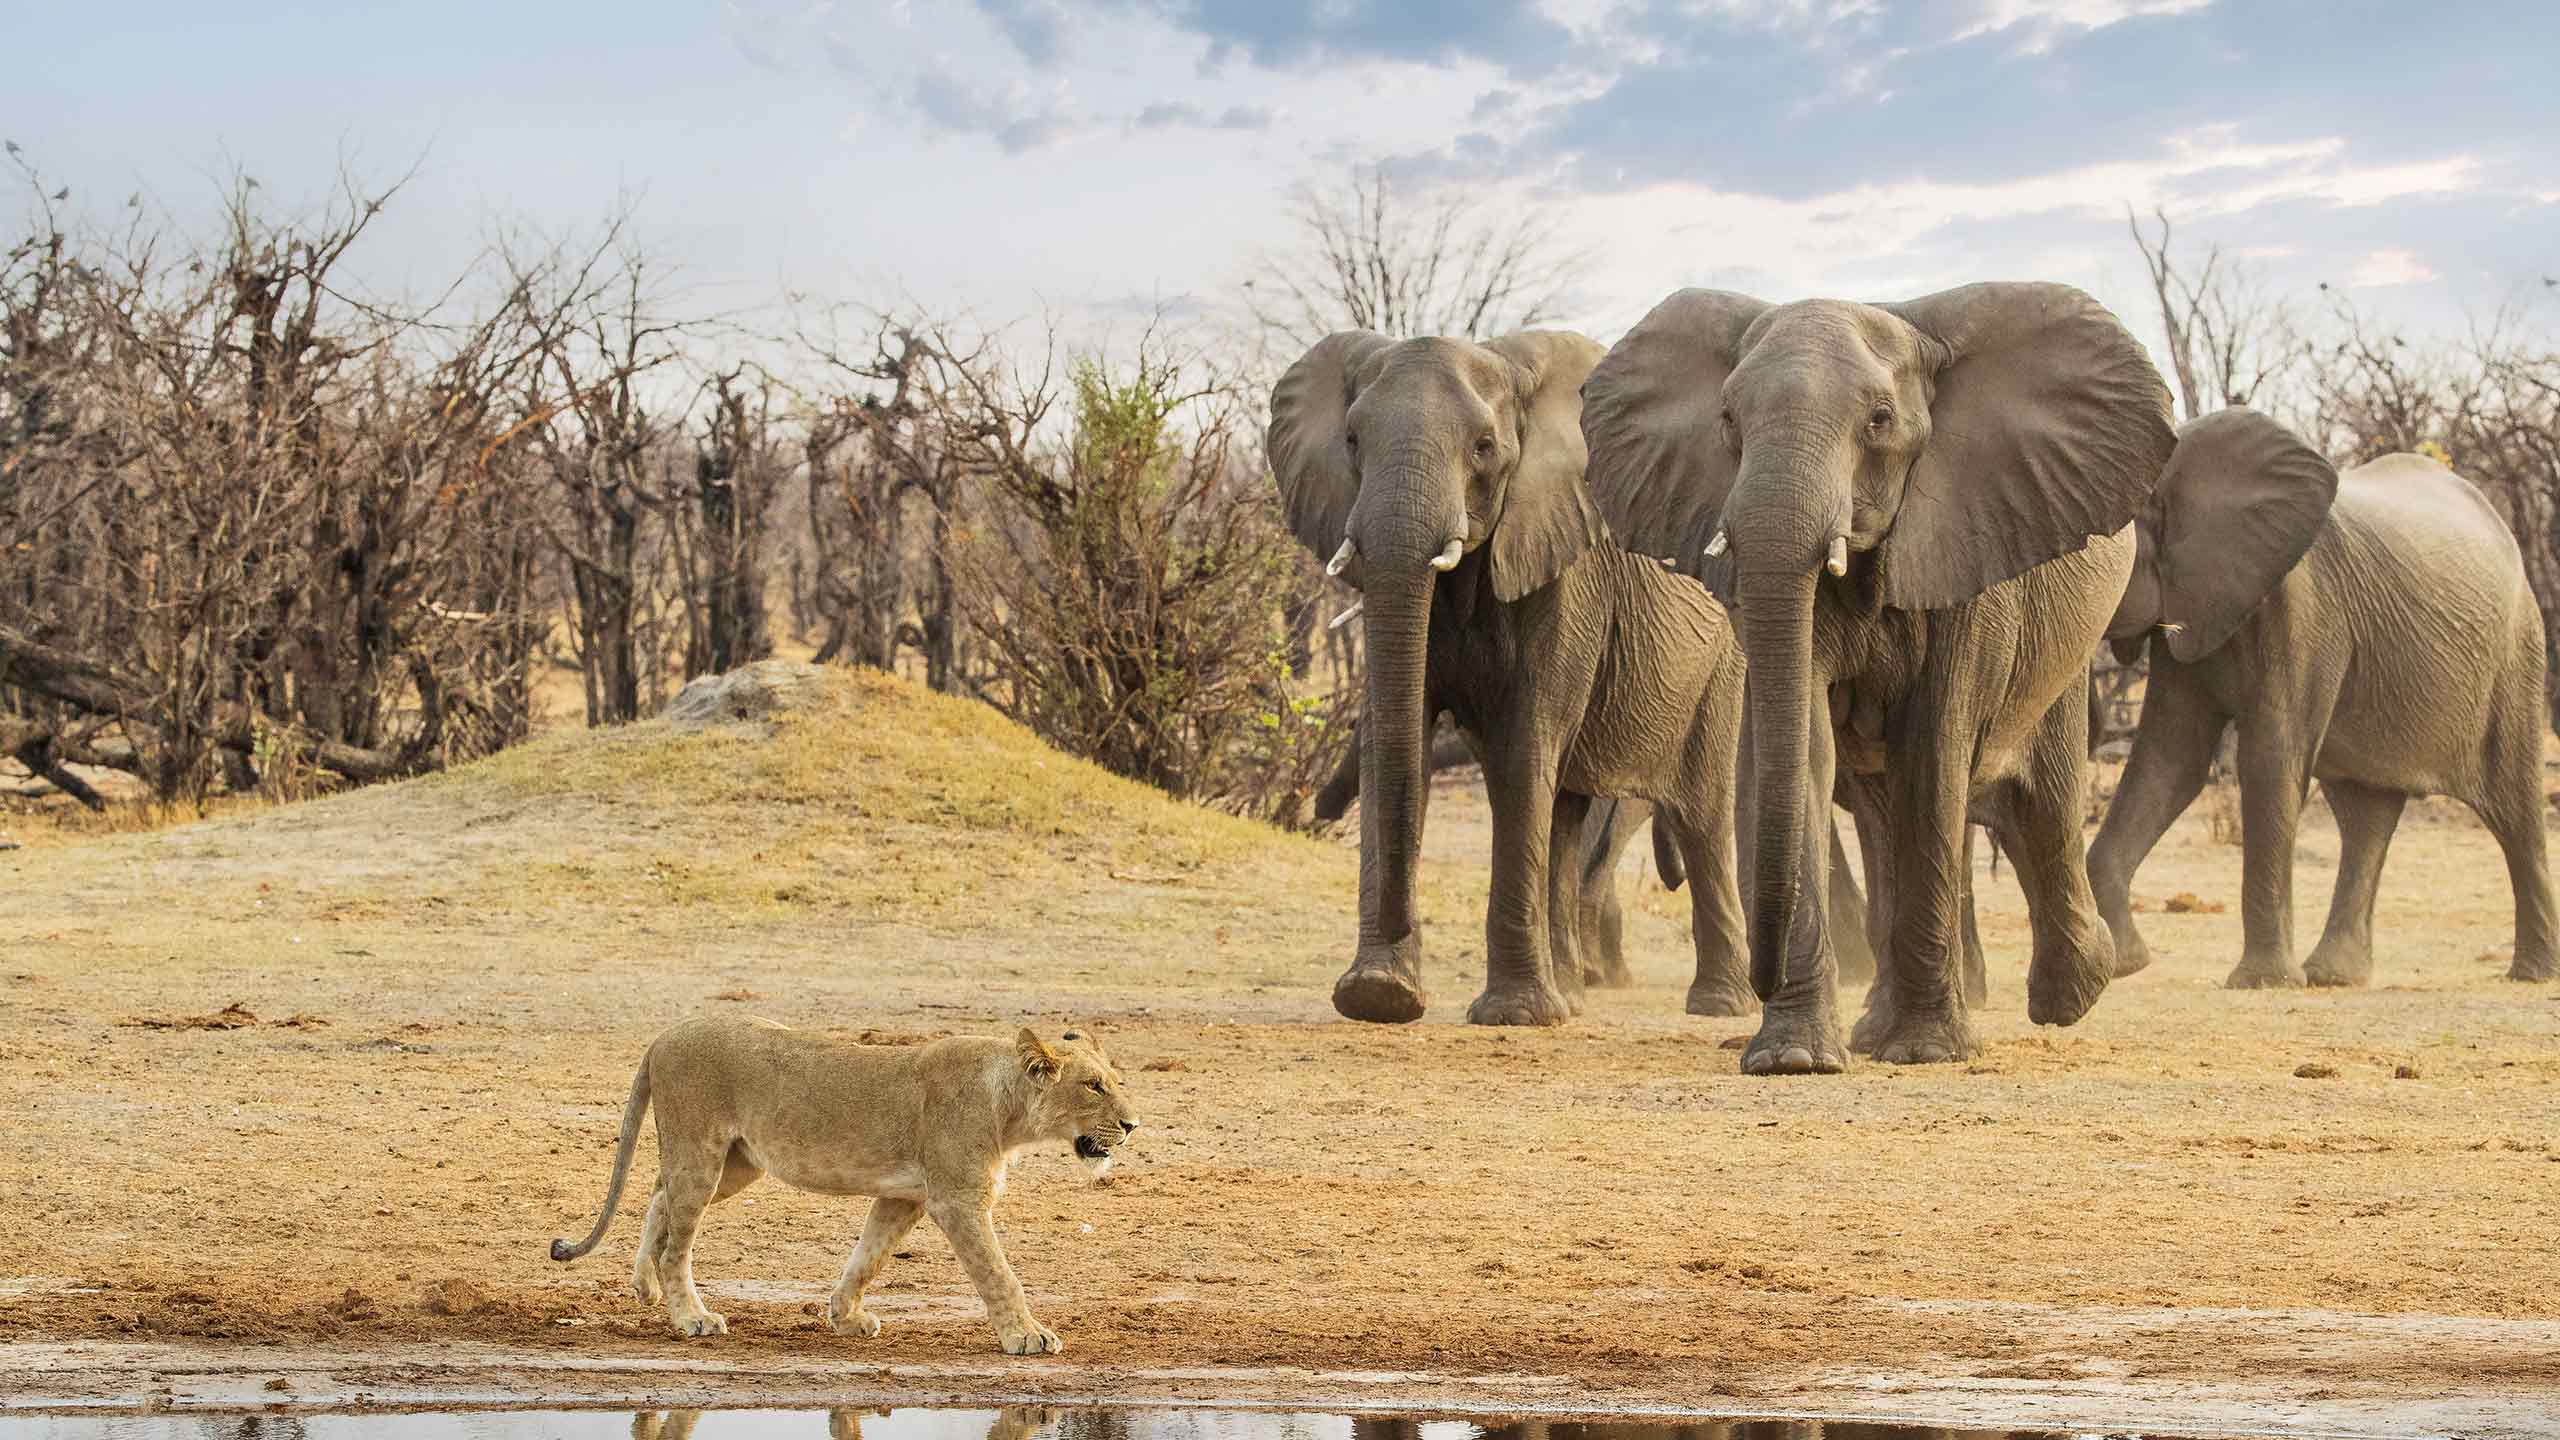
1010, 1423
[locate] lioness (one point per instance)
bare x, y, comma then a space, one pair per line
924, 1130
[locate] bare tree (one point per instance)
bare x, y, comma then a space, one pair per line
891, 444
738, 468
598, 424
2228, 344
1374, 256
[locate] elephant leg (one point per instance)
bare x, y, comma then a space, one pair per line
1519, 984
1334, 800
1848, 915
2172, 753
1601, 931
1868, 804
1977, 970
2274, 773
2074, 957
1722, 985
1565, 861
1928, 1023
2366, 818
2513, 811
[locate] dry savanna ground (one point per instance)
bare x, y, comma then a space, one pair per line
304, 1092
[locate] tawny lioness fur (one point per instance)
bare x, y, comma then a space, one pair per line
923, 1129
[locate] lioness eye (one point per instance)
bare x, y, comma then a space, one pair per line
1094, 1085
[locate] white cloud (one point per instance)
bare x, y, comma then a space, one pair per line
2050, 15
1871, 240
2382, 268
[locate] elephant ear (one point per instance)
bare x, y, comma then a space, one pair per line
1652, 411
1547, 518
1309, 457
2240, 502
2048, 426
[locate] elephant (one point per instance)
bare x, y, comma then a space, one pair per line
1449, 475
2372, 630
1922, 514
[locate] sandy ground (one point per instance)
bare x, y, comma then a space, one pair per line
2148, 1219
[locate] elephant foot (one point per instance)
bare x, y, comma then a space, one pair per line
1928, 1040
1572, 991
2336, 963
1804, 1040
1874, 1023
1380, 993
2133, 956
2259, 973
2063, 983
1721, 998
1520, 1002
1611, 973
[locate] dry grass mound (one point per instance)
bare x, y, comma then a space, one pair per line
870, 798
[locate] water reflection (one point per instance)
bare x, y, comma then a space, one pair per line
1025, 1422
1013, 1422
1016, 1422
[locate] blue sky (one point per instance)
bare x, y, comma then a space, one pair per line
1094, 158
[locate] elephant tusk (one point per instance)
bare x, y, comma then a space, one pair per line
1447, 559
1715, 547
1666, 562
2170, 627
1341, 560
1347, 616
1838, 564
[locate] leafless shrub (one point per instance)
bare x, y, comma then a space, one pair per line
252, 533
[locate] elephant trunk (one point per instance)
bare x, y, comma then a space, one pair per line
1395, 729
1777, 627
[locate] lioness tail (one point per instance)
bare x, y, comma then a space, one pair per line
632, 1110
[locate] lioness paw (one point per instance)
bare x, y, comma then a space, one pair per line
860, 1322
1036, 1339
706, 1323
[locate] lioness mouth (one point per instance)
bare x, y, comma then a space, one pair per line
1088, 1148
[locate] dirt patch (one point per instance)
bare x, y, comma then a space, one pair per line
1609, 1203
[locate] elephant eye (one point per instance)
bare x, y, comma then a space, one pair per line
1484, 447
1880, 419
1351, 443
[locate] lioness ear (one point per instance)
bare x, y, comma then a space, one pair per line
1038, 1060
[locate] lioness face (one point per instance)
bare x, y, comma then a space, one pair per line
1080, 1098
